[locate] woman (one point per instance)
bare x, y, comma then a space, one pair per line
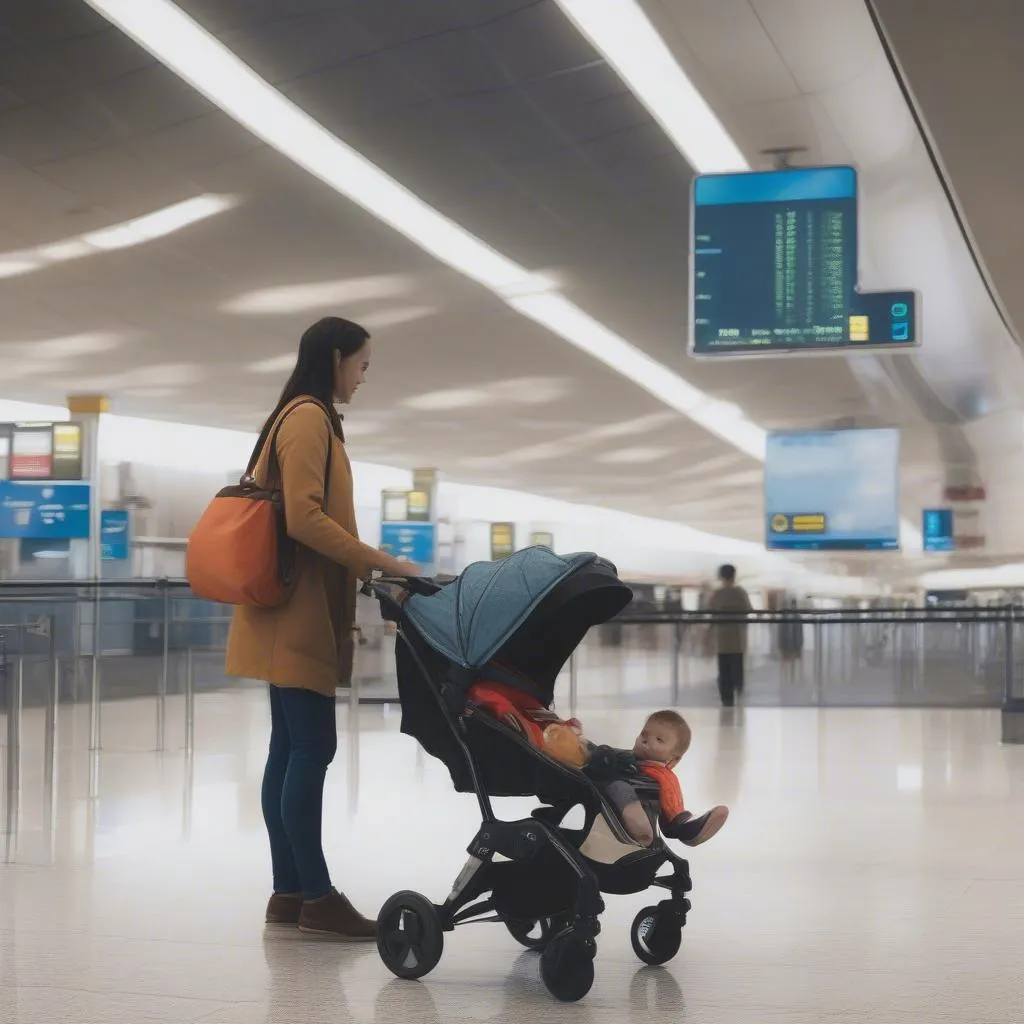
304, 649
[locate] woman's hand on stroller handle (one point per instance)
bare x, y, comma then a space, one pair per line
398, 568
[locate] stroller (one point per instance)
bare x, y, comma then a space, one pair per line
542, 880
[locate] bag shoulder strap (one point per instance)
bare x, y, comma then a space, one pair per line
269, 437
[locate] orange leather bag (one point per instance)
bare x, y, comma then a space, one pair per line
239, 552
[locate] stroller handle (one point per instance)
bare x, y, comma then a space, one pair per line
423, 586
391, 590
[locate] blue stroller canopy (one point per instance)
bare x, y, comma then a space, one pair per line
473, 617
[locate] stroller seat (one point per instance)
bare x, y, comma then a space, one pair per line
605, 840
543, 880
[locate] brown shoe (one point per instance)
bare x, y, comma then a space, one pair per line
333, 916
284, 908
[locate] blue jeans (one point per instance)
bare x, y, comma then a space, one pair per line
303, 742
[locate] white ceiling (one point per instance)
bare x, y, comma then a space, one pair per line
496, 112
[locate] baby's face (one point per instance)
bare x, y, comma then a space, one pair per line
657, 742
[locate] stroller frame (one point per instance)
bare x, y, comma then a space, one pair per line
411, 928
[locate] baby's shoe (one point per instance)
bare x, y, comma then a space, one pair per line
693, 831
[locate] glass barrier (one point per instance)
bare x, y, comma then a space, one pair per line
958, 658
99, 644
86, 654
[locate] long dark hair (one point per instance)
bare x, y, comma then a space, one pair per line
313, 375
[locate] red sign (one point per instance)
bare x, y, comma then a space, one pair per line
969, 543
31, 455
965, 492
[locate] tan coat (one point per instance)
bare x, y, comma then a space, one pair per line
308, 643
730, 637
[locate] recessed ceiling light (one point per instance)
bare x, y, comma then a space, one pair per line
150, 392
146, 228
159, 223
455, 398
276, 364
630, 456
316, 295
530, 390
72, 345
161, 375
382, 318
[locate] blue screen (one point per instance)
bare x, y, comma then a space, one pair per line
775, 267
833, 490
415, 542
44, 511
937, 529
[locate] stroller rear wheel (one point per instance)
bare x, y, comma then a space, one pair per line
656, 935
567, 966
535, 935
410, 938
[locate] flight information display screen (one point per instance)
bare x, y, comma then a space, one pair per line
937, 529
774, 267
832, 490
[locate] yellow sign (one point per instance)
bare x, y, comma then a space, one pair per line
815, 523
503, 540
859, 330
809, 524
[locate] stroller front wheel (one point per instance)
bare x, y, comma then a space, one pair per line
567, 966
410, 938
656, 936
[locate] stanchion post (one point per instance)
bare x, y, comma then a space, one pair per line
677, 653
52, 706
95, 708
190, 702
1011, 666
15, 695
819, 652
161, 697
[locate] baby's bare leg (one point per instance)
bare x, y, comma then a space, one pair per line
638, 825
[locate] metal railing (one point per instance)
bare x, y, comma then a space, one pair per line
940, 657
93, 643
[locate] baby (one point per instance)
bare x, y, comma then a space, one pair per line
662, 742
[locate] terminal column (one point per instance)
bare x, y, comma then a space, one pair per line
87, 410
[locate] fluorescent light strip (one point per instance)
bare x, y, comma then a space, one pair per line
138, 231
196, 56
558, 314
625, 37
192, 53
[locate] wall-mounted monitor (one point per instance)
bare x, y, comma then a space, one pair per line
31, 452
938, 530
774, 268
832, 490
41, 451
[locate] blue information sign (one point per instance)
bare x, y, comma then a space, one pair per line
832, 490
774, 267
938, 529
114, 535
415, 542
38, 511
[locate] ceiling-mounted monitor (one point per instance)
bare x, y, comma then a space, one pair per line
774, 268
832, 490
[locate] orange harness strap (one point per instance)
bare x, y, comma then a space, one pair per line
668, 786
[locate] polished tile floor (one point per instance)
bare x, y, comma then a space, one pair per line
873, 871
